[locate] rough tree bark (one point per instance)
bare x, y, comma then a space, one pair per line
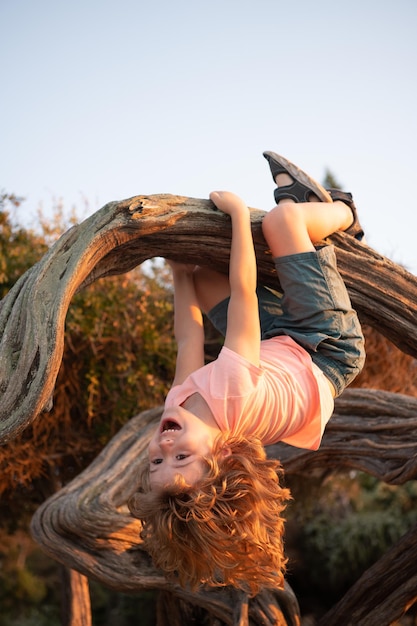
86, 525
75, 606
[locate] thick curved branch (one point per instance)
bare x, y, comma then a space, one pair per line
371, 430
87, 526
122, 235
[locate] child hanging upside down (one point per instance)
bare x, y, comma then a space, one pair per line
211, 503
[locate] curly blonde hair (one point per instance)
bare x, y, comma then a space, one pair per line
225, 530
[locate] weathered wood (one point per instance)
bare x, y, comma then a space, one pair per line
371, 430
86, 525
76, 605
122, 235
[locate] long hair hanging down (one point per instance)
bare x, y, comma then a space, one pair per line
225, 530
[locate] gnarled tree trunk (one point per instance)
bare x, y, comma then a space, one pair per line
86, 525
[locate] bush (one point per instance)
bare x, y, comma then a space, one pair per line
339, 528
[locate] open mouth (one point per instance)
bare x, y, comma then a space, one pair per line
170, 425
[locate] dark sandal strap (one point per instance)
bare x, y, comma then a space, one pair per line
296, 192
355, 229
276, 168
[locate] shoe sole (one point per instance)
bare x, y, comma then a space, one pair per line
300, 176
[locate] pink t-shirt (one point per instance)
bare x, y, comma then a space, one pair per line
287, 398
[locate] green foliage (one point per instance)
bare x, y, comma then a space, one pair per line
109, 607
330, 181
340, 552
120, 346
19, 248
46, 615
26, 590
345, 525
30, 590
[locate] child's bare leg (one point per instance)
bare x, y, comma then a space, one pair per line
291, 227
211, 287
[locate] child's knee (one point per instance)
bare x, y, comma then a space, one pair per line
285, 214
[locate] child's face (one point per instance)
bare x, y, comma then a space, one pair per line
178, 446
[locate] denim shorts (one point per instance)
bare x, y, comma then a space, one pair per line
314, 309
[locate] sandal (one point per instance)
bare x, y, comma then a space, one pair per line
355, 229
302, 187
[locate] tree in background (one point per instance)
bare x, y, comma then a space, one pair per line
19, 248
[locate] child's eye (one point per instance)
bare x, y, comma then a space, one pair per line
156, 461
181, 457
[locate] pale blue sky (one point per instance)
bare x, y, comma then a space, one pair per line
102, 100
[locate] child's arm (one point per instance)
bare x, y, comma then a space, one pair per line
243, 327
188, 323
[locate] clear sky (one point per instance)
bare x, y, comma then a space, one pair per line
105, 99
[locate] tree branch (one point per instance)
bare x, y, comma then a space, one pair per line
87, 525
122, 235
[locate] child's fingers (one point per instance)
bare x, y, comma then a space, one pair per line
215, 196
226, 201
